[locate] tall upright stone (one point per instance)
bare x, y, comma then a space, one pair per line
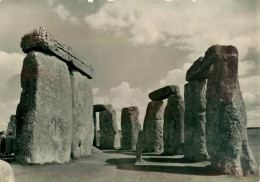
226, 131
11, 129
153, 127
130, 127
44, 114
108, 128
173, 128
139, 146
82, 116
195, 120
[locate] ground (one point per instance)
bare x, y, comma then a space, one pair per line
118, 165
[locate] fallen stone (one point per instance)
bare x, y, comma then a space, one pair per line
173, 132
195, 120
44, 114
226, 130
153, 127
139, 146
11, 129
163, 93
82, 116
6, 172
41, 40
108, 129
101, 107
130, 127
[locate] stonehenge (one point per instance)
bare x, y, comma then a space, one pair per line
153, 127
130, 127
109, 135
54, 116
215, 115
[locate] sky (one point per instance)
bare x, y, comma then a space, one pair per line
135, 46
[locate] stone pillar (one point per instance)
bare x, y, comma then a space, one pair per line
108, 128
195, 120
153, 127
130, 127
139, 146
6, 172
95, 129
226, 130
173, 129
11, 129
44, 114
82, 116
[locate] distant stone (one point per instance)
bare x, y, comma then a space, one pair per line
139, 146
108, 129
11, 129
44, 114
6, 172
195, 120
173, 132
153, 127
130, 127
41, 40
82, 116
101, 107
164, 92
95, 129
226, 130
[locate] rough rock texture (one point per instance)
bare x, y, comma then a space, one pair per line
108, 128
83, 125
173, 128
139, 146
44, 114
6, 172
195, 120
100, 107
41, 40
164, 92
226, 130
11, 129
153, 127
130, 127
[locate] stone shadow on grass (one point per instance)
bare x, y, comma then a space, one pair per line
129, 164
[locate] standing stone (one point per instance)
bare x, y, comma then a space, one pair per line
139, 146
153, 127
82, 116
95, 129
108, 128
11, 129
130, 127
173, 132
44, 114
195, 120
6, 172
226, 131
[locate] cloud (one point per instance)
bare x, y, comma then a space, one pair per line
51, 1
183, 24
65, 14
10, 89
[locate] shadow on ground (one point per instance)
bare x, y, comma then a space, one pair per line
129, 164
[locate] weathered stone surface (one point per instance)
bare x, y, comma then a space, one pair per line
153, 127
11, 129
108, 129
41, 40
130, 127
173, 132
101, 107
82, 116
226, 131
6, 172
195, 120
164, 92
44, 114
139, 146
